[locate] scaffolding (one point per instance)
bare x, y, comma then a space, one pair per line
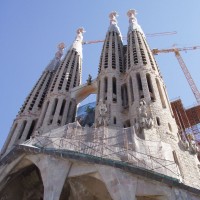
114, 143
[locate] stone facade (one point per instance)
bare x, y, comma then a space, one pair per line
133, 150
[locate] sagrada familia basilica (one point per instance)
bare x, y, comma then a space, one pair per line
134, 149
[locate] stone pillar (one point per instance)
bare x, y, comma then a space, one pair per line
120, 185
53, 172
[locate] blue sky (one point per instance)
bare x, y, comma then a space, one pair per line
31, 30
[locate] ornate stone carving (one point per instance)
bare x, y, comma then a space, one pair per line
144, 119
192, 144
103, 113
188, 142
113, 17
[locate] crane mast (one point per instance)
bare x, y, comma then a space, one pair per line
183, 67
188, 76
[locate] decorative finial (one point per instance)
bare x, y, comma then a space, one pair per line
80, 30
132, 16
133, 24
61, 46
59, 53
77, 44
112, 16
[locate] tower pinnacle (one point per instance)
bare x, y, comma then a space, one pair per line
59, 53
112, 16
113, 23
133, 24
77, 44
56, 60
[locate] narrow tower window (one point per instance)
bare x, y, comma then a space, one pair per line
69, 112
124, 95
158, 121
140, 88
113, 52
135, 58
62, 107
61, 112
31, 129
131, 89
105, 88
114, 120
54, 106
150, 87
99, 87
114, 88
161, 94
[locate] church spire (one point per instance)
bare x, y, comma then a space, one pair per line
77, 44
111, 66
59, 108
113, 23
133, 24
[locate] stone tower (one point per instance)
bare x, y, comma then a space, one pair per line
59, 109
111, 68
133, 151
145, 84
27, 118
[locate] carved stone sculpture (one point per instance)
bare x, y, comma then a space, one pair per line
89, 80
102, 119
144, 119
192, 144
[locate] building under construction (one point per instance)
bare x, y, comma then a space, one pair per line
133, 150
188, 120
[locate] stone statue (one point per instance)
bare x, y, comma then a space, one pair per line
102, 119
144, 120
183, 139
89, 80
192, 143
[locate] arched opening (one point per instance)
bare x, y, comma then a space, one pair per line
84, 187
124, 95
31, 129
131, 89
61, 112
140, 87
105, 88
25, 183
114, 89
150, 87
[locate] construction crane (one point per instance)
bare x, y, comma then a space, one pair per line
148, 35
183, 67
